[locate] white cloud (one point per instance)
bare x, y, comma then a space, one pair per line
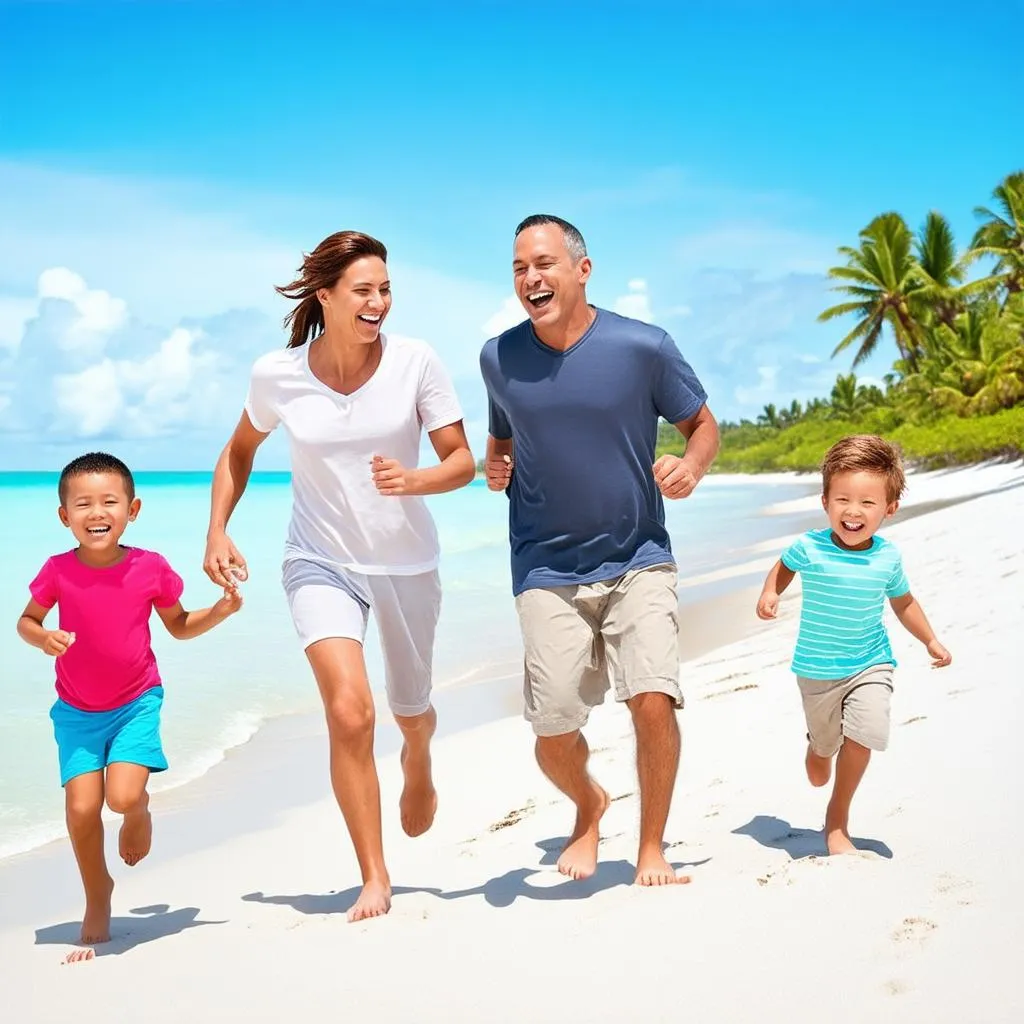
15, 313
635, 304
762, 392
510, 314
98, 311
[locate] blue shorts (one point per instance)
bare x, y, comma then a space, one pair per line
87, 741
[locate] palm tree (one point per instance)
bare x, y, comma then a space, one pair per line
1002, 235
850, 399
770, 416
944, 292
885, 281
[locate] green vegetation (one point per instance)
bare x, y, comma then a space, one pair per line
956, 391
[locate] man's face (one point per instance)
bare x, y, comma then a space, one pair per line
549, 284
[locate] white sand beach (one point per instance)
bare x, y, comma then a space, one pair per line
483, 928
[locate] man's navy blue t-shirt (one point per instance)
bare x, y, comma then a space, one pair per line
583, 504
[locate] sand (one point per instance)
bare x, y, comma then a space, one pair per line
483, 927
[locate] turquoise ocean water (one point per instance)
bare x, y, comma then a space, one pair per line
221, 687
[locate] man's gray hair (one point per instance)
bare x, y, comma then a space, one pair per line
574, 243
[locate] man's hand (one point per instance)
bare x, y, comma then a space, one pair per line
674, 477
498, 471
57, 642
768, 605
939, 655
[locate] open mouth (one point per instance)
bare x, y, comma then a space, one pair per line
852, 527
98, 531
368, 319
539, 299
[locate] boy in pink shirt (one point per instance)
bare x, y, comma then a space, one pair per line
106, 719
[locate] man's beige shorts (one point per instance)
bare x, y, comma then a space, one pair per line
856, 707
575, 637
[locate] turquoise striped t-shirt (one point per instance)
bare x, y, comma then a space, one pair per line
842, 631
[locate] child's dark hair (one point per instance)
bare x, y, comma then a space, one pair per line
869, 454
95, 462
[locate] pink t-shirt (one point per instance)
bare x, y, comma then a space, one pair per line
111, 661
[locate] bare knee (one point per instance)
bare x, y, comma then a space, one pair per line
652, 709
82, 811
351, 717
124, 799
558, 747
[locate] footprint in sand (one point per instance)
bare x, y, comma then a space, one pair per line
513, 817
914, 929
916, 718
955, 887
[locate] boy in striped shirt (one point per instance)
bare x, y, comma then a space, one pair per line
843, 661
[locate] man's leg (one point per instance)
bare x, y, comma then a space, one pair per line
657, 763
565, 676
851, 764
563, 759
641, 630
127, 795
345, 690
83, 802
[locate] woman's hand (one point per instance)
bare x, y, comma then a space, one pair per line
390, 477
223, 562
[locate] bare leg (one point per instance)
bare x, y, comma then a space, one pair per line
657, 762
819, 769
83, 801
563, 759
126, 794
341, 675
851, 764
418, 803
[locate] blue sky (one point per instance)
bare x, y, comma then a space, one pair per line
163, 165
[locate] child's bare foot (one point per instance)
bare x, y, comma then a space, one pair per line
653, 869
136, 836
96, 921
418, 803
374, 901
579, 858
78, 955
819, 769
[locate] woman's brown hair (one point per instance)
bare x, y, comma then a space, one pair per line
321, 268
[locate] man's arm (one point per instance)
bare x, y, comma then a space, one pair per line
678, 476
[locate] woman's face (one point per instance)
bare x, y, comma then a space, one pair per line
359, 301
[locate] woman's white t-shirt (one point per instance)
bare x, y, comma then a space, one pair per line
338, 516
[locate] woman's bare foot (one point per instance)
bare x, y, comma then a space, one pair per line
579, 858
96, 921
374, 901
653, 869
819, 769
136, 836
418, 803
838, 841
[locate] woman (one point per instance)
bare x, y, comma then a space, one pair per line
353, 403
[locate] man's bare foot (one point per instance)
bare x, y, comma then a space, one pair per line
418, 803
374, 901
819, 769
96, 922
653, 869
136, 836
579, 858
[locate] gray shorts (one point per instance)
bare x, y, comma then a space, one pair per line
330, 601
856, 707
574, 637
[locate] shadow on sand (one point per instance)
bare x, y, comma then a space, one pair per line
155, 922
777, 834
500, 891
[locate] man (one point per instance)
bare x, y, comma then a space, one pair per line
575, 395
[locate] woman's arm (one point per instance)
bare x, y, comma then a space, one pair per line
230, 477
455, 467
